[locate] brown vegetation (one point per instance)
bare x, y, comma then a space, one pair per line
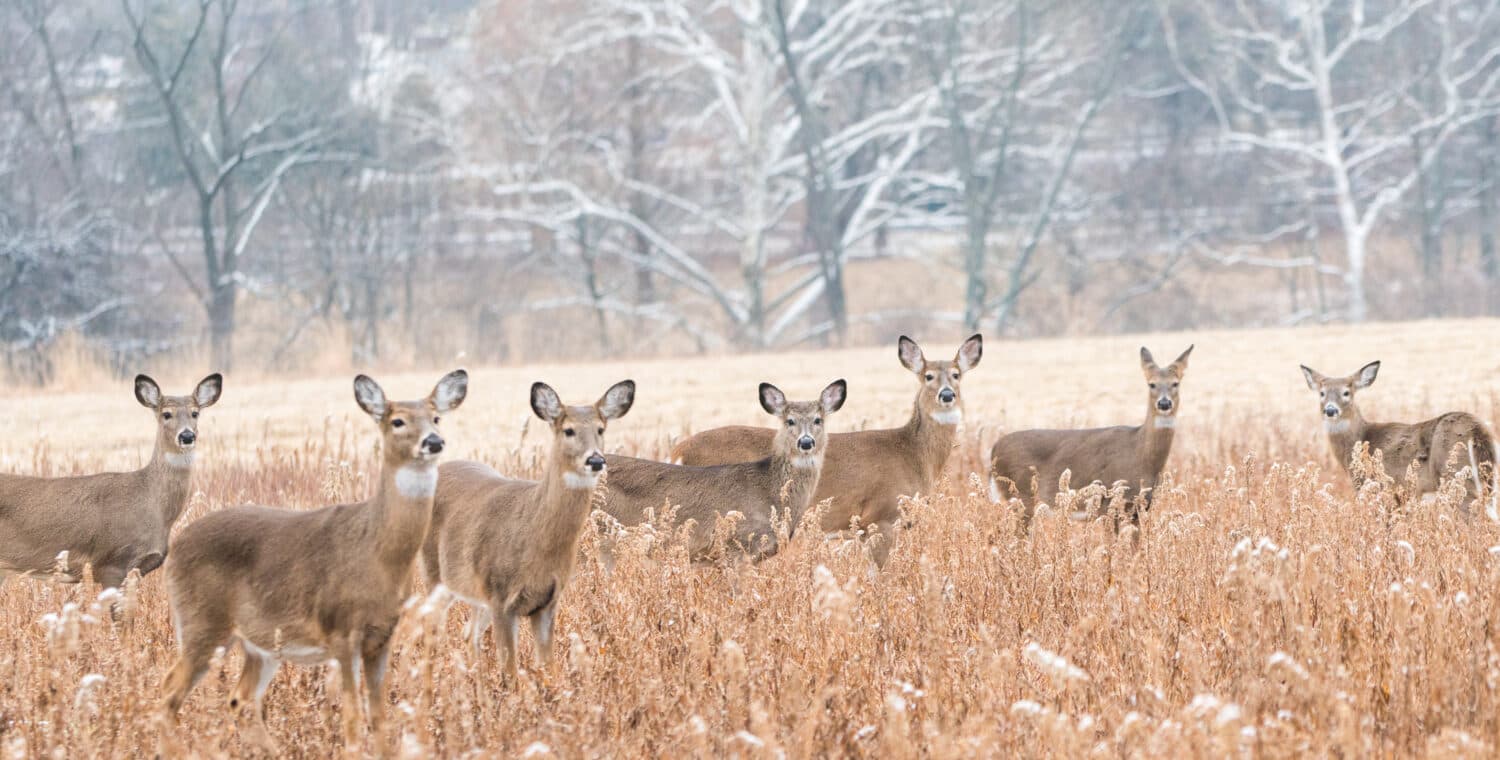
1267, 609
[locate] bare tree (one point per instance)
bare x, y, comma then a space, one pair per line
235, 140
1020, 88
1293, 80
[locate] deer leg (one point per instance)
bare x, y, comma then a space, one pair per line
349, 694
507, 625
260, 668
479, 622
880, 541
541, 629
197, 645
375, 664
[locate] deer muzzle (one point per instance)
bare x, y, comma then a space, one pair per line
595, 462
432, 444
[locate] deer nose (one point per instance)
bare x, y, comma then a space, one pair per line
432, 444
806, 443
1330, 411
595, 462
1164, 404
946, 395
187, 437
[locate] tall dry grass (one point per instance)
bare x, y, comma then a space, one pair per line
1264, 609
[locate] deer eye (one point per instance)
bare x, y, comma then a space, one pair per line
398, 423
436, 419
569, 432
1153, 386
1346, 394
166, 415
195, 415
791, 423
930, 377
954, 374
1174, 386
601, 431
817, 420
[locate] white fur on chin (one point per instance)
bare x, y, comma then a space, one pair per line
585, 481
1336, 426
417, 481
1166, 421
948, 416
180, 460
805, 462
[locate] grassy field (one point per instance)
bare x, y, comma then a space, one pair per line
1266, 609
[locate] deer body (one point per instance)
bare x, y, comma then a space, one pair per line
866, 473
1428, 443
507, 546
1135, 455
312, 586
754, 489
115, 521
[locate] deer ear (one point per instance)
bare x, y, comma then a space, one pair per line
545, 403
833, 396
1179, 365
450, 391
969, 353
617, 400
1146, 361
910, 354
370, 397
772, 399
209, 389
1313, 377
1366, 375
147, 392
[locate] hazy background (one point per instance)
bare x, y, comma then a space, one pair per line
288, 186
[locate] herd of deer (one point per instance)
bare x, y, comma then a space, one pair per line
330, 584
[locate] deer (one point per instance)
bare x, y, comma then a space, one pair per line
1427, 444
312, 586
113, 522
1029, 464
775, 486
507, 547
866, 473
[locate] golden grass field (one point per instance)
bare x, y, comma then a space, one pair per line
1265, 610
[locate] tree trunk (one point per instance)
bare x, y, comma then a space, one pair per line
1489, 258
976, 291
221, 324
1354, 275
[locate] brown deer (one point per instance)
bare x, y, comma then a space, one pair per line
312, 586
776, 486
867, 472
1428, 444
507, 546
1029, 463
114, 521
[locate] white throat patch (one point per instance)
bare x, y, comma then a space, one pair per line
948, 416
805, 462
585, 481
1339, 425
416, 481
1165, 422
180, 460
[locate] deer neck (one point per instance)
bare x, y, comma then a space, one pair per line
564, 501
402, 510
168, 477
794, 480
1344, 433
1155, 441
931, 436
